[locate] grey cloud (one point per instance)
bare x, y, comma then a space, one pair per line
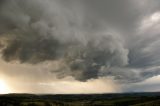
32, 51
48, 33
105, 52
92, 38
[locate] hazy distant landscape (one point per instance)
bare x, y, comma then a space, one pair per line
125, 99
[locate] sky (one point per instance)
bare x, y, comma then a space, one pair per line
79, 46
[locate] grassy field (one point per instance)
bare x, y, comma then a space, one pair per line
127, 99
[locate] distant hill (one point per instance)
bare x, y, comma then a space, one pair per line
111, 99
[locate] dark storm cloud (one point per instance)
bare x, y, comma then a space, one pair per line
33, 51
27, 36
89, 38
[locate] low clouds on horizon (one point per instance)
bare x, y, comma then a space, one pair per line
82, 39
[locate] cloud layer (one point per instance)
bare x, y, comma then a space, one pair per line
83, 39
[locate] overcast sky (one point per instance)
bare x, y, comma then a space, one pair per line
79, 46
